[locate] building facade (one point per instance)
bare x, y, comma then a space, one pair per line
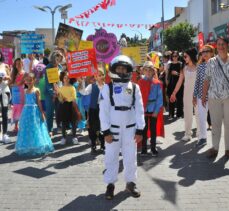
206, 15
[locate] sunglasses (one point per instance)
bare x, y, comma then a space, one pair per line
206, 51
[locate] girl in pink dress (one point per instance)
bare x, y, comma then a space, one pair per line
17, 83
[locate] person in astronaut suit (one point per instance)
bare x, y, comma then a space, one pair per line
122, 123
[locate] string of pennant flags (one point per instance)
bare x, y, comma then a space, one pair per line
112, 25
104, 4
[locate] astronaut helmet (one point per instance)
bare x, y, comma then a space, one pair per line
124, 61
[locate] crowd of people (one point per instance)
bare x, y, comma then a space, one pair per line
120, 111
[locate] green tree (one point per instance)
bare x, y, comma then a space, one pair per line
179, 37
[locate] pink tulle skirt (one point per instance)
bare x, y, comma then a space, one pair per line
17, 109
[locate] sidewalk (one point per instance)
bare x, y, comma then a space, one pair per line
181, 178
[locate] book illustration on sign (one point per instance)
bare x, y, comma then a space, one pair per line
68, 37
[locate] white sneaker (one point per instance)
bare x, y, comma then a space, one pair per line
6, 139
63, 141
186, 138
75, 141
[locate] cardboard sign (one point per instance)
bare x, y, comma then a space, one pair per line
153, 55
137, 54
8, 55
85, 45
16, 95
32, 43
105, 44
53, 75
68, 37
82, 63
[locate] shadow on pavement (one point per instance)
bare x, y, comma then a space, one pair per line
169, 189
84, 158
95, 203
191, 166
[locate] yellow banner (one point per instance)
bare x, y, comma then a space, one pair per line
85, 45
137, 54
53, 75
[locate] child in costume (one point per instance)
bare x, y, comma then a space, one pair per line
153, 101
33, 138
122, 123
93, 115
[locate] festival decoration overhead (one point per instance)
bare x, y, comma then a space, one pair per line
112, 25
104, 4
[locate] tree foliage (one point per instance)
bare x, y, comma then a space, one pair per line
179, 37
134, 41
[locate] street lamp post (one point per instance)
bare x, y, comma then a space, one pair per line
62, 8
163, 27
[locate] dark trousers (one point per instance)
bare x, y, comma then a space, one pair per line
151, 123
4, 123
65, 125
94, 128
209, 119
179, 105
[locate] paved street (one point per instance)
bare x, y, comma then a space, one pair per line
181, 178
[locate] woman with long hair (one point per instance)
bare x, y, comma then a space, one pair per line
188, 75
174, 69
17, 83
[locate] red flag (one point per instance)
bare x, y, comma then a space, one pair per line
201, 39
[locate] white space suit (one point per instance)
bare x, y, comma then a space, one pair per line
123, 120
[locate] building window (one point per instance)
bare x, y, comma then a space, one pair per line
215, 6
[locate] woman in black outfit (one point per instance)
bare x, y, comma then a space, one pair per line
173, 75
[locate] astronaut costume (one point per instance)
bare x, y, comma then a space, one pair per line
122, 116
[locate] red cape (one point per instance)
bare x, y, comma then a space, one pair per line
145, 90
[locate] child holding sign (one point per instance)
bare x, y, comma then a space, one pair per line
68, 107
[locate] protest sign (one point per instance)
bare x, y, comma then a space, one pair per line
82, 63
68, 37
137, 54
8, 55
154, 56
32, 43
105, 44
85, 45
53, 75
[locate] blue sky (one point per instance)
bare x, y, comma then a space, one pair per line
20, 14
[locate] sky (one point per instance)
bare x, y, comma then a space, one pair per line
21, 14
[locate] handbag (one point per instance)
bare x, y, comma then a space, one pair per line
222, 70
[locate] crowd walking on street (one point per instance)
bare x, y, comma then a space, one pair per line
123, 117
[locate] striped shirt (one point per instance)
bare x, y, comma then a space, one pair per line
219, 87
198, 89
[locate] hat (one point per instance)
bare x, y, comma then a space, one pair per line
148, 64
